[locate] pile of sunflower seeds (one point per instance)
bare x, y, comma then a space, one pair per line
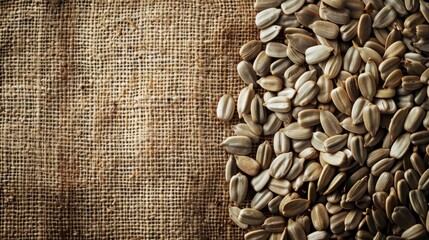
337, 100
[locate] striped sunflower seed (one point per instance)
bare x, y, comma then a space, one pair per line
371, 118
238, 145
384, 17
320, 217
250, 50
269, 33
281, 165
233, 214
267, 17
248, 165
261, 199
238, 188
251, 216
341, 100
276, 50
243, 129
294, 207
260, 180
225, 108
317, 54
231, 168
290, 7
271, 83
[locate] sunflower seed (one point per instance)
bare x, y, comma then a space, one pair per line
276, 50
371, 118
260, 180
295, 231
243, 129
280, 186
295, 131
250, 50
231, 168
400, 146
384, 17
367, 85
300, 41
352, 219
275, 224
233, 214
294, 207
239, 145
416, 231
251, 216
281, 165
290, 7
238, 188
330, 123
225, 108
306, 93
414, 119
272, 124
248, 165
312, 172
320, 217
269, 33
267, 17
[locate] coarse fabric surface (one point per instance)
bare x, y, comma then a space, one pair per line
108, 117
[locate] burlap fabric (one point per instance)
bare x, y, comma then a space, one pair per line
107, 117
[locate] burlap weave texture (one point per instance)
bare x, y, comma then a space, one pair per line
107, 117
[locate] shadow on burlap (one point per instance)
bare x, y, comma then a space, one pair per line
107, 117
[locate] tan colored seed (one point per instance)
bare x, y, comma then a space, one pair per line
231, 168
238, 188
308, 117
272, 124
320, 217
333, 66
267, 17
384, 17
358, 150
295, 231
260, 181
335, 143
269, 33
248, 165
400, 146
239, 145
271, 83
276, 50
341, 100
338, 159
307, 15
325, 88
330, 123
280, 186
251, 216
250, 50
300, 41
417, 231
290, 7
261, 199
367, 85
225, 108
357, 190
295, 131
312, 172
233, 214
371, 118
281, 165
364, 29
306, 93
243, 129
317, 54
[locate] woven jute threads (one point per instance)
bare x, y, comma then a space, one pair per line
340, 91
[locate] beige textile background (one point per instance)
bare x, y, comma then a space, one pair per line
107, 117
